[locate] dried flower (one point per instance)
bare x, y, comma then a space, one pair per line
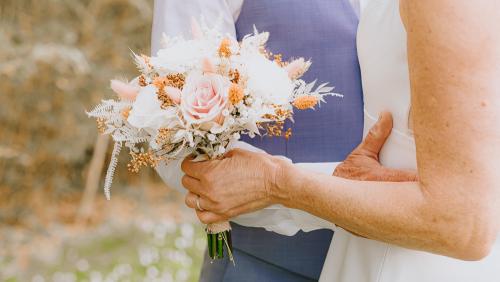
234, 76
297, 68
125, 91
167, 94
305, 102
140, 160
176, 80
147, 61
288, 133
235, 94
142, 81
225, 48
165, 100
164, 135
101, 125
125, 112
207, 66
278, 60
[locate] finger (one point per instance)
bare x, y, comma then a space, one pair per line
205, 204
208, 217
195, 169
376, 137
193, 185
190, 200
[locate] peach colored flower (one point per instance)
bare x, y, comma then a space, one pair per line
305, 102
125, 91
235, 94
297, 68
207, 66
225, 48
204, 97
174, 94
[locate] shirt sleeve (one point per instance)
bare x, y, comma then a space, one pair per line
173, 18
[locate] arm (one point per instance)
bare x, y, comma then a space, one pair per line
453, 210
454, 58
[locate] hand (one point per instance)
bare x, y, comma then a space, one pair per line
239, 183
363, 163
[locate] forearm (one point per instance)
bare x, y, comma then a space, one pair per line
398, 213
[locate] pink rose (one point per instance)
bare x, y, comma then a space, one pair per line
204, 97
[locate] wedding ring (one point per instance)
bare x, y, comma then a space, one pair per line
198, 204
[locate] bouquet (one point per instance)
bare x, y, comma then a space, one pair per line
198, 97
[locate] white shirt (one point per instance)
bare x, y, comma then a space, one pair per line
173, 17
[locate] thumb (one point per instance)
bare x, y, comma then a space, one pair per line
376, 137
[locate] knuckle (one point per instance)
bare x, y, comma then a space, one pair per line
219, 208
184, 165
187, 201
230, 213
207, 177
185, 181
211, 196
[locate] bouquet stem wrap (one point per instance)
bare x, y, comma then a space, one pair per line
218, 238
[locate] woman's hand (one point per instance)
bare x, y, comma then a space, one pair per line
239, 183
363, 163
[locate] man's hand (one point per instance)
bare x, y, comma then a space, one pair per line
363, 163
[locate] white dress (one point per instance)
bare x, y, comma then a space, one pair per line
386, 86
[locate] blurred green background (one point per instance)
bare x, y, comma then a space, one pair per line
56, 60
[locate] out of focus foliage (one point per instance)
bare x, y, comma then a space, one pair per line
56, 59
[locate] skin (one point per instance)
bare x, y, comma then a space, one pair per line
454, 207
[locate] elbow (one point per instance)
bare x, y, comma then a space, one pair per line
476, 242
479, 249
467, 227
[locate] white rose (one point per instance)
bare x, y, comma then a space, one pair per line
147, 112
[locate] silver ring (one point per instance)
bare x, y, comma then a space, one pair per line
198, 204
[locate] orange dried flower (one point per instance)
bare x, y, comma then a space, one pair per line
224, 48
142, 80
160, 82
140, 160
101, 125
126, 112
235, 94
234, 76
305, 102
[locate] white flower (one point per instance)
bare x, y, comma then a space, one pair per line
211, 137
147, 112
182, 56
267, 80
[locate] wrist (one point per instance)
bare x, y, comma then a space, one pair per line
281, 188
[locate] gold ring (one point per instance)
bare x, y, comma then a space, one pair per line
198, 204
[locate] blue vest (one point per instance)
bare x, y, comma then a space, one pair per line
325, 32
